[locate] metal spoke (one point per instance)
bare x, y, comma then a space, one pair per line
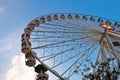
61, 42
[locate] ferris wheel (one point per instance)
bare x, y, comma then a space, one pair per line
72, 46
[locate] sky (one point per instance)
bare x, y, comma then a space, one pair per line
16, 14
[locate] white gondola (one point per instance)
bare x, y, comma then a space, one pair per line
92, 19
69, 16
25, 35
30, 62
62, 16
55, 17
29, 54
48, 18
84, 18
25, 49
42, 20
42, 76
100, 20
25, 44
31, 26
37, 23
77, 17
27, 30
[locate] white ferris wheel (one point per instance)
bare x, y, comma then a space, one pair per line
69, 44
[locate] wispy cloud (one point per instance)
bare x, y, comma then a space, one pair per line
2, 10
11, 42
8, 43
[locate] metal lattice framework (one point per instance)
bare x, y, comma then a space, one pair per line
66, 43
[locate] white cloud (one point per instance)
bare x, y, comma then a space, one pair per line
7, 43
18, 70
5, 48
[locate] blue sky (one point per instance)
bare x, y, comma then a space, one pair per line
16, 14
